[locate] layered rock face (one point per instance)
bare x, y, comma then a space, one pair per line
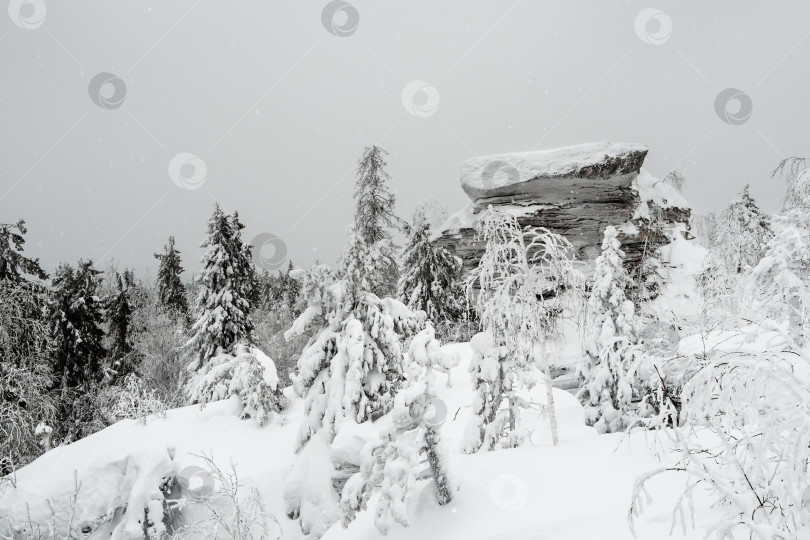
576, 191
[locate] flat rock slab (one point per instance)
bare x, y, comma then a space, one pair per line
576, 191
528, 174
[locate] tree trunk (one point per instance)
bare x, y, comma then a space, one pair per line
552, 414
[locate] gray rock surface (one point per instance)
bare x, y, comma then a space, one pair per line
575, 191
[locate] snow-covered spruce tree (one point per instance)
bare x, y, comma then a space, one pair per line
225, 362
76, 316
374, 221
409, 450
119, 315
170, 289
349, 372
605, 370
742, 233
431, 278
520, 279
15, 266
223, 309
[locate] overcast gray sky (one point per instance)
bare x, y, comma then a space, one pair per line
279, 109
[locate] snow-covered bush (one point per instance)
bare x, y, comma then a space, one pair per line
158, 341
746, 442
247, 373
780, 283
517, 290
135, 402
410, 448
25, 374
605, 372
271, 324
232, 511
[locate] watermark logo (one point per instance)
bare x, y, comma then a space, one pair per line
432, 411
27, 14
108, 91
187, 171
508, 492
340, 18
733, 106
420, 99
196, 482
265, 242
500, 169
653, 26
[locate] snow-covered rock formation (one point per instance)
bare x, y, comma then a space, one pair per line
575, 191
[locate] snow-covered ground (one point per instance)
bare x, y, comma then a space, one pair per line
579, 489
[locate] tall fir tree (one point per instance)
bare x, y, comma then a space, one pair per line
604, 371
431, 278
375, 221
119, 315
170, 288
226, 282
76, 315
14, 265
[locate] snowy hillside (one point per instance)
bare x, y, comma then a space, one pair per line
579, 489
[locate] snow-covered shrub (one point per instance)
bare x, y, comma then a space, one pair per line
135, 402
605, 372
746, 442
780, 283
24, 403
410, 448
517, 290
158, 342
232, 511
271, 324
25, 374
247, 373
704, 228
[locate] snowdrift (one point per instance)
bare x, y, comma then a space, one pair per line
579, 489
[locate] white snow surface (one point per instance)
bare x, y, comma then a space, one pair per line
555, 162
579, 489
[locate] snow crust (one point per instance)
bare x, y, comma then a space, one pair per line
552, 163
